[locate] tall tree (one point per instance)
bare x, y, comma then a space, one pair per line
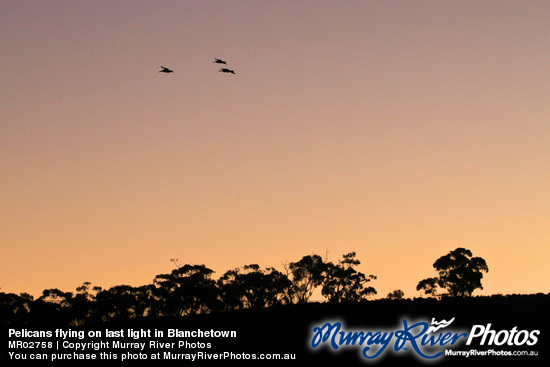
307, 274
83, 302
345, 284
187, 290
459, 273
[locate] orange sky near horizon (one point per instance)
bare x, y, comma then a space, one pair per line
398, 130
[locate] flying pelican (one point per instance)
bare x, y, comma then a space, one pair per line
223, 70
165, 70
219, 61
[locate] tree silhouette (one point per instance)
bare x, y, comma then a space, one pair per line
307, 274
13, 308
396, 294
187, 290
54, 295
54, 307
344, 283
252, 287
459, 273
190, 290
124, 302
429, 286
83, 303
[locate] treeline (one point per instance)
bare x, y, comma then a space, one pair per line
191, 290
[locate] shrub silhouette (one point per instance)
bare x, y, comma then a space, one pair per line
396, 294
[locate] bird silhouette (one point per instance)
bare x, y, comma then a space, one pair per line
224, 70
165, 70
219, 61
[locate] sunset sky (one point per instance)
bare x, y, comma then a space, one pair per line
400, 130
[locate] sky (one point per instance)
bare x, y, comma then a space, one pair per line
400, 130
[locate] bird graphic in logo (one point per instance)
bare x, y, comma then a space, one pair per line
439, 325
